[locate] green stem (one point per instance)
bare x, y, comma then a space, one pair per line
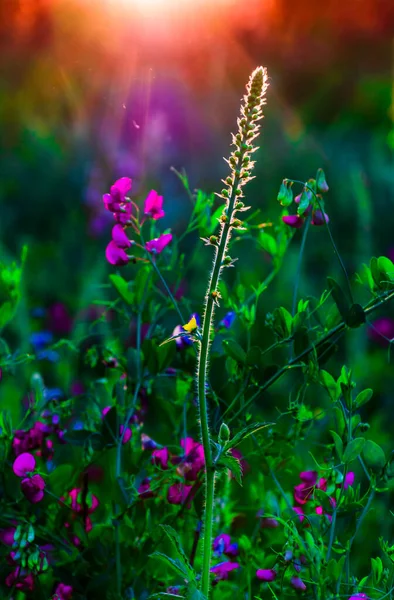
293, 363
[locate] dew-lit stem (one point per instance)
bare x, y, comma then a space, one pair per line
240, 165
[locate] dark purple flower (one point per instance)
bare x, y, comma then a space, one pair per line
147, 443
179, 494
7, 536
21, 579
25, 463
33, 488
222, 545
119, 236
223, 569
269, 523
266, 574
319, 218
157, 245
382, 328
63, 592
115, 255
297, 583
193, 460
144, 489
153, 206
294, 221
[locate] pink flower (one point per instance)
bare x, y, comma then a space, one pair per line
179, 493
223, 569
359, 596
115, 255
294, 221
300, 512
160, 457
193, 460
7, 536
119, 237
382, 328
127, 434
222, 545
144, 489
349, 480
298, 584
21, 579
304, 491
63, 592
158, 244
266, 574
319, 218
76, 501
153, 206
33, 488
25, 463
117, 194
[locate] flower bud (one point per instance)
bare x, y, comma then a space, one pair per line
224, 433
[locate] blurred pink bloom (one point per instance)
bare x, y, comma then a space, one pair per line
63, 592
127, 434
33, 488
115, 255
223, 569
294, 221
160, 457
158, 244
117, 194
21, 579
222, 545
359, 596
266, 574
25, 463
349, 480
304, 491
153, 206
7, 536
193, 460
384, 326
144, 489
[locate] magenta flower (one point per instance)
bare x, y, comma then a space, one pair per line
63, 592
349, 480
7, 536
300, 512
21, 579
297, 583
294, 221
193, 460
153, 206
223, 569
222, 545
382, 328
304, 491
33, 488
127, 434
76, 501
117, 194
359, 596
25, 463
319, 218
115, 255
158, 244
179, 493
119, 237
266, 574
160, 458
144, 489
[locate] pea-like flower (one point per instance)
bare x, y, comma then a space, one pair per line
153, 206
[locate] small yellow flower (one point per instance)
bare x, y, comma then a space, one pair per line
191, 325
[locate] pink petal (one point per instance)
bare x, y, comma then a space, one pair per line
119, 237
115, 255
121, 186
158, 244
23, 464
293, 221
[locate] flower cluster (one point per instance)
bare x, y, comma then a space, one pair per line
309, 203
121, 207
32, 485
82, 505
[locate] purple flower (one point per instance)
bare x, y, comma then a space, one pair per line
126, 435
222, 545
319, 218
153, 206
160, 458
7, 536
228, 319
269, 523
359, 596
157, 245
115, 255
119, 237
297, 583
294, 221
117, 194
382, 328
147, 443
223, 569
193, 460
25, 463
144, 489
63, 592
349, 480
33, 488
266, 574
179, 493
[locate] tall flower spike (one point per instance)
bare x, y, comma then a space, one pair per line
241, 166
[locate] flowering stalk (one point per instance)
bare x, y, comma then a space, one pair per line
240, 165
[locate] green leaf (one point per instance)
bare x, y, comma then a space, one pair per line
377, 570
244, 433
61, 478
356, 316
374, 456
304, 201
282, 322
268, 243
234, 350
353, 449
10, 288
338, 444
175, 564
232, 463
176, 543
339, 297
141, 284
363, 397
321, 183
193, 593
329, 384
122, 288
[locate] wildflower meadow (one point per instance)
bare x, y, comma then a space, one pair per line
196, 377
